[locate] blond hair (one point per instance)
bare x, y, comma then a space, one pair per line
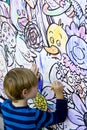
18, 79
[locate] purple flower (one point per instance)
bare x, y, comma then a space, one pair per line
78, 115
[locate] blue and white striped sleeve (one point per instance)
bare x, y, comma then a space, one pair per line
0, 107
43, 118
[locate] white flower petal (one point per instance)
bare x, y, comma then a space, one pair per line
81, 128
79, 104
75, 117
48, 93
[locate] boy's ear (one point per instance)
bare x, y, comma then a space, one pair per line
24, 92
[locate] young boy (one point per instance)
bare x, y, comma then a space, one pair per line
20, 84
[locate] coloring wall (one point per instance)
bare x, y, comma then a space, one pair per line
52, 34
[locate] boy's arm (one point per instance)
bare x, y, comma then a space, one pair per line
51, 118
61, 111
45, 118
61, 103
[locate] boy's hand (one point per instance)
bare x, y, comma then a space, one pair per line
57, 87
35, 70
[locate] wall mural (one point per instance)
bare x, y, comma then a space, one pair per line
52, 34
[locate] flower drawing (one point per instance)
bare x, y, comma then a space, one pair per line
78, 115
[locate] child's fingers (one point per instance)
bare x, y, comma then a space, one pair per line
52, 88
35, 70
38, 75
32, 67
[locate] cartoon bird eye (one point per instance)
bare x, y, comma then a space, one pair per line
23, 12
52, 40
18, 12
58, 43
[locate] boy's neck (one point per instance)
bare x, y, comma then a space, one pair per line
19, 103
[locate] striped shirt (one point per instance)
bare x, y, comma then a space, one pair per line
26, 118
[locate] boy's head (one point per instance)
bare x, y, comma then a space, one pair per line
18, 82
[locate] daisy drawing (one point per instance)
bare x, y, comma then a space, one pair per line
78, 115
